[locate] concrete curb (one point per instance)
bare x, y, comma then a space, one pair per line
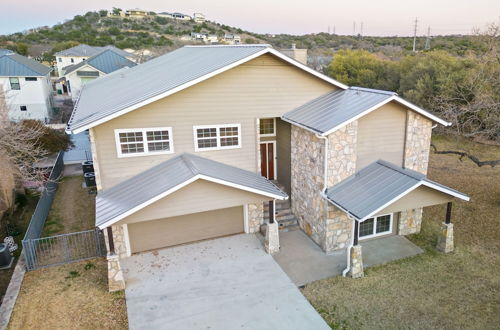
11, 294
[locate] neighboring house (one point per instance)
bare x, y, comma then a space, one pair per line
199, 17
177, 16
136, 13
92, 68
77, 54
231, 39
178, 159
26, 87
196, 36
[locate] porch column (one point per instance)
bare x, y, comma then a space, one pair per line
356, 255
116, 281
272, 243
445, 238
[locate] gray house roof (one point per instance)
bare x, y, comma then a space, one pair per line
333, 110
106, 61
114, 95
159, 181
4, 51
378, 185
84, 50
15, 65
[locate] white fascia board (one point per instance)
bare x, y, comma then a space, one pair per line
205, 77
446, 191
422, 111
245, 188
148, 202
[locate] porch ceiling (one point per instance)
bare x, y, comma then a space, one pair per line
383, 187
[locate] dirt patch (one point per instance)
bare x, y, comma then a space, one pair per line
73, 208
460, 290
71, 296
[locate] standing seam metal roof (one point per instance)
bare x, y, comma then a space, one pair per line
113, 203
376, 185
15, 65
107, 62
335, 108
111, 94
84, 50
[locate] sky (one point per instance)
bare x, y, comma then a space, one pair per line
378, 17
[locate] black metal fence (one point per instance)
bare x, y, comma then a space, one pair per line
42, 252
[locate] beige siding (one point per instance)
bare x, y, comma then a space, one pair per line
184, 229
263, 87
381, 135
284, 152
420, 197
198, 196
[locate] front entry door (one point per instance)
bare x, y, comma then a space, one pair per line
267, 159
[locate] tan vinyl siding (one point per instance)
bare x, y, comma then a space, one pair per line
284, 153
261, 88
381, 135
171, 231
420, 197
198, 196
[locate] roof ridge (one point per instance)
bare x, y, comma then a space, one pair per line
372, 90
190, 163
406, 171
229, 46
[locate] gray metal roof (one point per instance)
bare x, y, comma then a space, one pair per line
84, 50
106, 61
334, 108
378, 185
113, 93
15, 65
113, 204
4, 51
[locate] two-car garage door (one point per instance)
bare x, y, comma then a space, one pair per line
149, 235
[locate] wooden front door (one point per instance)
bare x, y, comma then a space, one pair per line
267, 159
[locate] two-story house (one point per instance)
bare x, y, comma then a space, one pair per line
196, 143
82, 52
92, 68
26, 87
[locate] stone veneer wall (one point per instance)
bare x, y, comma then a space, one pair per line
417, 150
307, 182
255, 217
119, 241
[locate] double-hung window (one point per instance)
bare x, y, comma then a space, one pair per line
376, 226
14, 83
217, 137
267, 127
144, 141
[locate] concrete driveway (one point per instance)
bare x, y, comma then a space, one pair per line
225, 283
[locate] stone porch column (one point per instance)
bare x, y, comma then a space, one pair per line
272, 242
116, 281
356, 255
445, 238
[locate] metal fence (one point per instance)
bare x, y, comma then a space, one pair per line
55, 250
62, 249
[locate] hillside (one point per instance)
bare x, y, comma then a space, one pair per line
161, 34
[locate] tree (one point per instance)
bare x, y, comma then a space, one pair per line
22, 49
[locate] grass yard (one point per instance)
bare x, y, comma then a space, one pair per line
460, 290
72, 296
73, 208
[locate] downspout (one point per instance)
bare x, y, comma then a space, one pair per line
348, 268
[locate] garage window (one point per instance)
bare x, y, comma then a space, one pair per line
217, 137
377, 226
144, 141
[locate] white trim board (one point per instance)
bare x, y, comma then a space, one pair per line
181, 185
203, 78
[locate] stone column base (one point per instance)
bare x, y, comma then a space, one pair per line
272, 243
356, 262
116, 281
445, 238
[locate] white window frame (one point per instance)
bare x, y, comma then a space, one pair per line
218, 137
144, 141
274, 127
375, 234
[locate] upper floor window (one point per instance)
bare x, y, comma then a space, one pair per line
72, 61
14, 83
30, 79
267, 127
59, 59
144, 141
217, 137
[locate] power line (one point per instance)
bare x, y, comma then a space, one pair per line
415, 34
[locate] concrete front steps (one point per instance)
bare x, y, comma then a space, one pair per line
283, 214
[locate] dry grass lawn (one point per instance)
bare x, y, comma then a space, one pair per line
71, 296
432, 291
73, 208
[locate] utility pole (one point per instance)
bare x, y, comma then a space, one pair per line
428, 40
354, 28
415, 35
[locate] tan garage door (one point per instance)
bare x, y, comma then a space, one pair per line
149, 235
